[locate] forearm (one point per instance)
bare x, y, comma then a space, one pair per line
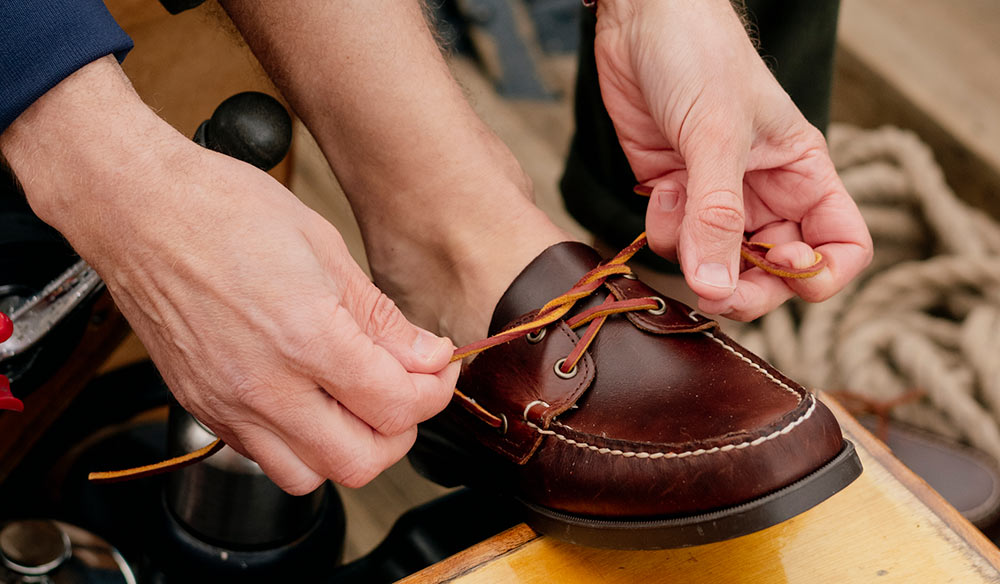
369, 81
81, 150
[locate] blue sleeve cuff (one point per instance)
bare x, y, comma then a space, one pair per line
43, 41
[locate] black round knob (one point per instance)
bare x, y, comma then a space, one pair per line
178, 6
252, 127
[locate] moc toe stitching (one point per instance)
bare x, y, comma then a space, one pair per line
653, 450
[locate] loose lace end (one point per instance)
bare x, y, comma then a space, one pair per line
113, 476
755, 252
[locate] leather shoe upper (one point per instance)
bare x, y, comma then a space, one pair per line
664, 415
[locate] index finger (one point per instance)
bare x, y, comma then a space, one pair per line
373, 384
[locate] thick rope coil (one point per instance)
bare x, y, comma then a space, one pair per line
924, 316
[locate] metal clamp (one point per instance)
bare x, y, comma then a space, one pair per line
38, 315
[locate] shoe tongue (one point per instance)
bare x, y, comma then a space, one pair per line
550, 274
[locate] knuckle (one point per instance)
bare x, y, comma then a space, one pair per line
814, 292
251, 394
722, 213
301, 343
815, 141
383, 316
306, 346
300, 485
358, 473
867, 255
396, 418
752, 311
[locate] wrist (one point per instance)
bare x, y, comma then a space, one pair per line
617, 12
84, 143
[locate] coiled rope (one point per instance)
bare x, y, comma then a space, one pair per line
924, 316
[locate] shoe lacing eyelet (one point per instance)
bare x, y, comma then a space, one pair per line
630, 276
535, 337
565, 374
503, 427
528, 407
661, 307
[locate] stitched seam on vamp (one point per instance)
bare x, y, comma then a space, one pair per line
766, 373
754, 365
685, 454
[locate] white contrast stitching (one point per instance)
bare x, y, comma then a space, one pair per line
685, 454
701, 451
752, 364
766, 373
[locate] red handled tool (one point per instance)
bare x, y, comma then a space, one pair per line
7, 399
6, 327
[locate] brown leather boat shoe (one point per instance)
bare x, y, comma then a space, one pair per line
621, 418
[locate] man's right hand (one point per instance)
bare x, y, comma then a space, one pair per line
728, 156
248, 302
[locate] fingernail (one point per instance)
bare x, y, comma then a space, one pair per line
667, 200
428, 345
716, 275
822, 280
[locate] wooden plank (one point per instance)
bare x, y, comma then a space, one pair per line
888, 526
512, 540
928, 66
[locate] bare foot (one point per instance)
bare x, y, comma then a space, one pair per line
449, 278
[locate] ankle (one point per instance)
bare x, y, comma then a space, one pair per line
448, 279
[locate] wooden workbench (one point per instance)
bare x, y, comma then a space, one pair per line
886, 527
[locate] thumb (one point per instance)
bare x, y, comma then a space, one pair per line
714, 220
417, 350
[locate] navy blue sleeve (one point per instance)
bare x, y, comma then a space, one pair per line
43, 41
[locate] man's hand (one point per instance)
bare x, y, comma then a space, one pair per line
704, 122
249, 303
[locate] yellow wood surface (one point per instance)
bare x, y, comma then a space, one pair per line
886, 527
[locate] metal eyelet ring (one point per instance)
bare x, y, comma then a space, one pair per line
565, 374
503, 427
630, 276
660, 308
535, 337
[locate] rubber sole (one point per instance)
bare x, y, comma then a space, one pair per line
714, 526
439, 460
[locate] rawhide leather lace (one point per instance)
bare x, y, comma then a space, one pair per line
555, 309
